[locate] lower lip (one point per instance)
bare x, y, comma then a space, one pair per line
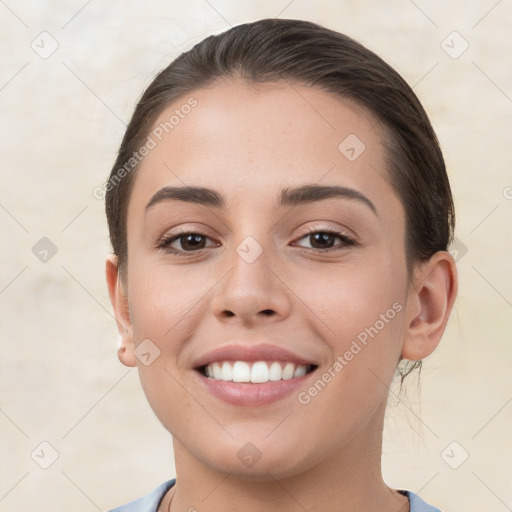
248, 393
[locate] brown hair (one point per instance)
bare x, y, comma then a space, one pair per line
302, 52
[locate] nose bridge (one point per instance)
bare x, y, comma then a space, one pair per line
250, 262
251, 288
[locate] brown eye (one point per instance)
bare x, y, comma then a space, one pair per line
191, 242
184, 242
324, 240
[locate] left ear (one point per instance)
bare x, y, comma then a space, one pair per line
429, 305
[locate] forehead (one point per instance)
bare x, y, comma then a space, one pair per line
252, 140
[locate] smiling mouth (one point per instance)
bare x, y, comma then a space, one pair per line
256, 372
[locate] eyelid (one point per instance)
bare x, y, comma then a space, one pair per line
340, 230
185, 229
325, 225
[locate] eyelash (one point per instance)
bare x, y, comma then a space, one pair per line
348, 242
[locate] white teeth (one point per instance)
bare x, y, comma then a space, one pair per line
275, 371
226, 373
257, 372
299, 371
217, 372
241, 372
288, 371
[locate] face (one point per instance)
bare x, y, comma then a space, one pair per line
275, 268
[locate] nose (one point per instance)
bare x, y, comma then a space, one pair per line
252, 291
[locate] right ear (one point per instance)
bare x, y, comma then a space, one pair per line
119, 300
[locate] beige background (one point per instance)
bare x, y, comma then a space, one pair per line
62, 118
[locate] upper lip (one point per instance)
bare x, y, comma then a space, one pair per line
239, 352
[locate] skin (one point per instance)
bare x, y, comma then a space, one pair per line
248, 142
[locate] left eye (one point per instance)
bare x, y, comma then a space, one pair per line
323, 240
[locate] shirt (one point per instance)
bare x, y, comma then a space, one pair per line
151, 501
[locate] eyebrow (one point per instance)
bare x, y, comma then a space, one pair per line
306, 194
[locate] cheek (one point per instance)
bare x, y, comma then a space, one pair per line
164, 300
360, 312
164, 305
349, 298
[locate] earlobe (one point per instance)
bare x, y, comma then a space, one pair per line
125, 352
429, 305
119, 301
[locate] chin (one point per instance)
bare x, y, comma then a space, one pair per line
255, 461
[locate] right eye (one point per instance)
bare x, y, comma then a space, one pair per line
190, 241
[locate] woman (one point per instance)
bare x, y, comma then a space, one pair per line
280, 215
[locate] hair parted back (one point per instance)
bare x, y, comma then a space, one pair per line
302, 52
